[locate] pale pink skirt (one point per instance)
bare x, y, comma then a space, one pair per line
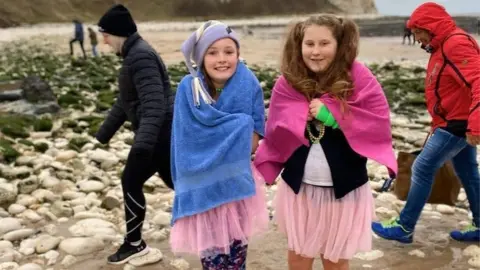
217, 228
317, 224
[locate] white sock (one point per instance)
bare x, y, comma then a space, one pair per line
136, 243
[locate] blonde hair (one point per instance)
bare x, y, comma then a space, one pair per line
336, 79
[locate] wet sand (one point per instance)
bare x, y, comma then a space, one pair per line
264, 47
269, 251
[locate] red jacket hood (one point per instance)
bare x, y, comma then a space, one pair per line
435, 19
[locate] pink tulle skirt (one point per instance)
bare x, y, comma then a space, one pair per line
217, 228
317, 224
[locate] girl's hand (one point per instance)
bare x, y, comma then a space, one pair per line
314, 107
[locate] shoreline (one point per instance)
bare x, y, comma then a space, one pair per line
255, 21
373, 25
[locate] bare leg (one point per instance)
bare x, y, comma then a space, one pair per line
340, 265
298, 262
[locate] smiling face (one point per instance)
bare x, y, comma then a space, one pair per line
220, 61
319, 47
422, 35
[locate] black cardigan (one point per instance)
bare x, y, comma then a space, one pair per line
348, 169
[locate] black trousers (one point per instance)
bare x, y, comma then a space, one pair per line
132, 185
81, 46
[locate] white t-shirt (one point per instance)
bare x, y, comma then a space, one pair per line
317, 171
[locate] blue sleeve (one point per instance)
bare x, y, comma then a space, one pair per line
258, 111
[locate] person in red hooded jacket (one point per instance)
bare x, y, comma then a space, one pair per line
452, 92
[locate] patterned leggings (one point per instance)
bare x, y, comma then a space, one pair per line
236, 260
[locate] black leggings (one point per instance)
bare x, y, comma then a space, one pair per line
81, 46
134, 199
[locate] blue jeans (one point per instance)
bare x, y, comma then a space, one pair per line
441, 147
94, 50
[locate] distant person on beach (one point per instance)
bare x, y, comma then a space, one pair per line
452, 89
93, 40
407, 33
220, 200
78, 37
478, 26
327, 115
146, 100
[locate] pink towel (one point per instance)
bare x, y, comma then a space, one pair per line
366, 123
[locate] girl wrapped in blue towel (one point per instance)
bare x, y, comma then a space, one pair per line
218, 120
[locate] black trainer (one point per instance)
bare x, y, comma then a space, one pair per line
127, 252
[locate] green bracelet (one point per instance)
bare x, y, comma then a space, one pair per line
323, 114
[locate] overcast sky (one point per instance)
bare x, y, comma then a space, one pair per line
405, 7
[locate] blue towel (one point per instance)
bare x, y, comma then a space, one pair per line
212, 143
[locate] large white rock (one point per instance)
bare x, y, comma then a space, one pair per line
100, 156
471, 251
9, 266
8, 193
162, 218
369, 256
65, 156
26, 200
31, 216
78, 246
9, 224
69, 260
45, 195
93, 227
91, 186
24, 161
16, 172
154, 255
385, 212
5, 245
475, 261
51, 257
16, 209
18, 234
72, 195
180, 264
445, 209
30, 266
46, 243
387, 197
61, 209
417, 253
9, 255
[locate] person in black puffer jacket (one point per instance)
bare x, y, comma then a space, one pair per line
146, 100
